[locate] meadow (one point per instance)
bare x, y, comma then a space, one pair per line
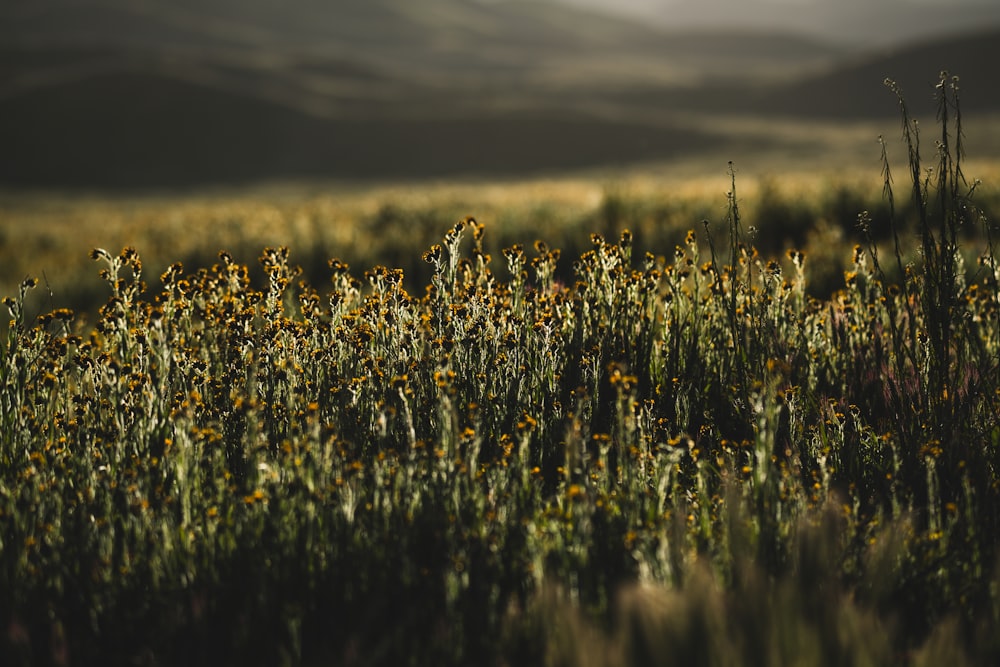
585, 426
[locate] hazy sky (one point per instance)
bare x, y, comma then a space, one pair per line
842, 20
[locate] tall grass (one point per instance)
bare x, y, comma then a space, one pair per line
687, 459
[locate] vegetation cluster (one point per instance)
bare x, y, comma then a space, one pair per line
688, 459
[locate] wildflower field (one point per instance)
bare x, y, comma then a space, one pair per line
627, 455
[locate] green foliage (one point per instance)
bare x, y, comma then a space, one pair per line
681, 460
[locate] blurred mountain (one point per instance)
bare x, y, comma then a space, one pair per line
118, 93
148, 130
853, 88
447, 43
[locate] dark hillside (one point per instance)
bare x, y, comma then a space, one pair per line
138, 130
114, 93
443, 41
852, 90
856, 90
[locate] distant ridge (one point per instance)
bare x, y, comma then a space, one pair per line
116, 93
443, 43
138, 130
850, 90
856, 90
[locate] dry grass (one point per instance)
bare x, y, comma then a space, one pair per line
47, 234
683, 456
